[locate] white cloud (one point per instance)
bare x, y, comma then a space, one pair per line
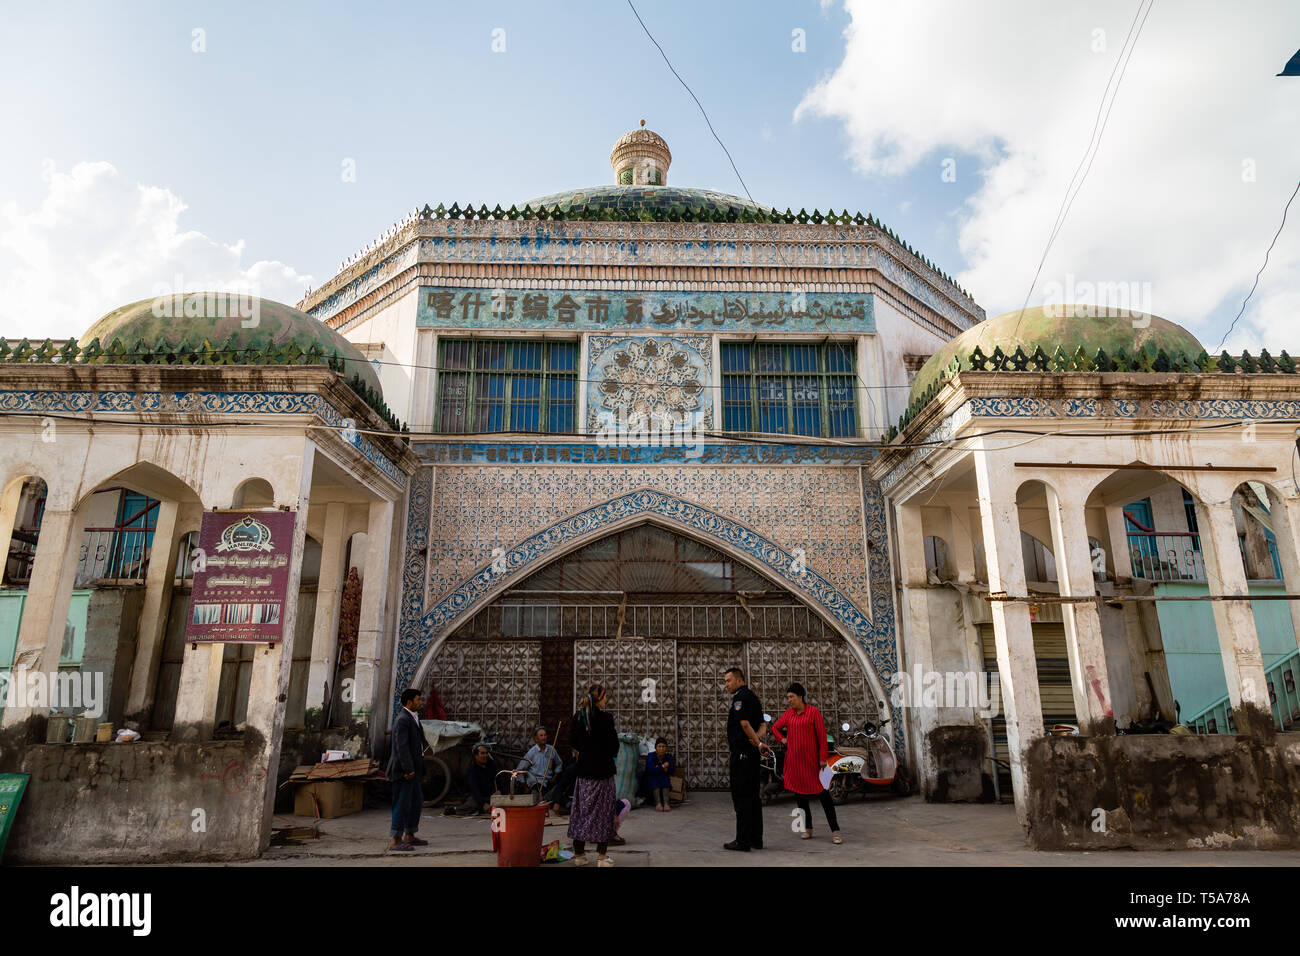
1012, 89
97, 241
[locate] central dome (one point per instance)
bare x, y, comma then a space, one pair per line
629, 200
640, 160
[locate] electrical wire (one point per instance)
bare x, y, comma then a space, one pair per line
566, 376
703, 112
766, 438
1261, 269
1094, 146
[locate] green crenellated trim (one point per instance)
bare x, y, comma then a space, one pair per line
1146, 359
678, 213
205, 352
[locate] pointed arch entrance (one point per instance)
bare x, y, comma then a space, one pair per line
654, 601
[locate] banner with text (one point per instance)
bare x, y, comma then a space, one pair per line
486, 308
241, 576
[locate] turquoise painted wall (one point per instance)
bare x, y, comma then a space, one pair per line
1192, 644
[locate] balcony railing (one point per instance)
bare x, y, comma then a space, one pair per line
1283, 696
105, 554
1158, 556
113, 554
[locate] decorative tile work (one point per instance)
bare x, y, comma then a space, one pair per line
205, 403
415, 557
642, 382
483, 453
548, 510
1239, 409
942, 433
667, 244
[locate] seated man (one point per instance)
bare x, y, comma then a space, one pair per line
481, 781
560, 797
541, 765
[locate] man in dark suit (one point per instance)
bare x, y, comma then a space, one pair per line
406, 771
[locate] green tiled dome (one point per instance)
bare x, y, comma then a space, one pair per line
630, 200
218, 318
1066, 326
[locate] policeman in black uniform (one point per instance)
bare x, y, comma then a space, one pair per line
745, 729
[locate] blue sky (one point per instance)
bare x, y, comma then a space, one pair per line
251, 134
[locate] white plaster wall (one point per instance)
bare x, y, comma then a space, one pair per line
896, 336
394, 327
1167, 508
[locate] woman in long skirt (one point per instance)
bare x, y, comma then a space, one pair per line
805, 756
596, 742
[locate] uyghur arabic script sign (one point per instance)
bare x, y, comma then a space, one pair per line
241, 576
486, 308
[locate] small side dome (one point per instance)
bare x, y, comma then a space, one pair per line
1069, 327
217, 317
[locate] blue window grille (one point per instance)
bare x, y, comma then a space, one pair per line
788, 388
506, 386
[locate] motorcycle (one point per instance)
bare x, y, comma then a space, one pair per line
867, 768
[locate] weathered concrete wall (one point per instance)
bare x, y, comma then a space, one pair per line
136, 803
961, 760
112, 621
1165, 792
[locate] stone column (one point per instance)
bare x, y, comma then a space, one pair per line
1089, 676
325, 628
49, 595
1243, 661
154, 613
268, 689
1012, 630
374, 596
1119, 553
918, 656
10, 498
196, 692
963, 568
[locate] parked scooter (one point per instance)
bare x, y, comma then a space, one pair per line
866, 764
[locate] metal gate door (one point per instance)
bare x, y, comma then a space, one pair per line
495, 683
702, 711
641, 678
828, 670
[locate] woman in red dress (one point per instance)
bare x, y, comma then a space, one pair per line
803, 732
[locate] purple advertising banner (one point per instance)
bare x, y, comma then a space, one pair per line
241, 574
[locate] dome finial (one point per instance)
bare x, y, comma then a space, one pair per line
641, 158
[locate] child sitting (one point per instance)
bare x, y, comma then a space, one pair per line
659, 768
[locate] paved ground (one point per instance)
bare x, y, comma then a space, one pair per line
885, 832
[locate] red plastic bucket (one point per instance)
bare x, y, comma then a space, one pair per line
517, 837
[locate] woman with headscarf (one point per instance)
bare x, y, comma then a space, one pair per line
803, 731
592, 817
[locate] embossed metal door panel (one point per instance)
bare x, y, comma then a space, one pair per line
494, 683
641, 677
828, 670
701, 745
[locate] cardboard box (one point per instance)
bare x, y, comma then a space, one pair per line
336, 798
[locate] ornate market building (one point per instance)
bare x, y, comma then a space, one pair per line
636, 434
